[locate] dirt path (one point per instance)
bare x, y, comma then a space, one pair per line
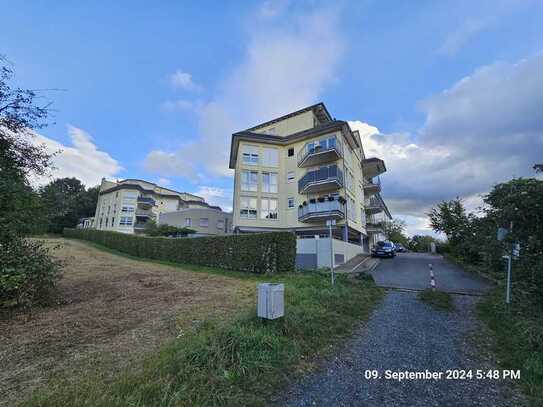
111, 312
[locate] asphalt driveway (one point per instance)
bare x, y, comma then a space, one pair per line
411, 271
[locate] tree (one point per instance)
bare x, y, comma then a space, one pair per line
152, 229
421, 243
19, 157
394, 231
66, 201
27, 271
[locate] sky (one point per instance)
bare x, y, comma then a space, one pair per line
448, 93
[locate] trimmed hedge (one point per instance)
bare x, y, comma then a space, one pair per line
255, 253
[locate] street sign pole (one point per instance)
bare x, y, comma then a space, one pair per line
330, 223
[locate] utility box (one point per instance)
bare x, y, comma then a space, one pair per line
271, 300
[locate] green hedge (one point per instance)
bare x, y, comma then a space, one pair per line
255, 253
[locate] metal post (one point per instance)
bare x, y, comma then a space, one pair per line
331, 254
509, 263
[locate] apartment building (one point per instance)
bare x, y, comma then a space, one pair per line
206, 220
297, 171
126, 206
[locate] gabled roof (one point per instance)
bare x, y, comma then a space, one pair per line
320, 111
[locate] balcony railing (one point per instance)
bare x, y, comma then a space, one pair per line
319, 211
320, 151
325, 178
373, 205
372, 167
145, 201
374, 227
144, 213
372, 186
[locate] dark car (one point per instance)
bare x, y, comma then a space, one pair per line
383, 249
400, 248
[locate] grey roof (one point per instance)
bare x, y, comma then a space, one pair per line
319, 108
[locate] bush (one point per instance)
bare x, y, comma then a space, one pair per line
27, 272
255, 253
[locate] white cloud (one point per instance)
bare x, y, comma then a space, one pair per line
216, 196
462, 35
487, 128
163, 182
278, 74
169, 164
183, 80
82, 159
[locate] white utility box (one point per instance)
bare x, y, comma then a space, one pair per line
271, 303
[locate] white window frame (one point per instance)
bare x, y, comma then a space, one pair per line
246, 209
188, 222
291, 176
249, 181
270, 157
220, 224
126, 221
290, 201
128, 209
204, 222
266, 213
269, 186
250, 155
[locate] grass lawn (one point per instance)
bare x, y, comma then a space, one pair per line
517, 332
229, 358
437, 299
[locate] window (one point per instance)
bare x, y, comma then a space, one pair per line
271, 157
130, 195
351, 211
188, 222
112, 222
250, 155
291, 152
249, 180
127, 209
268, 208
290, 176
290, 203
204, 222
349, 179
269, 182
126, 221
220, 224
247, 207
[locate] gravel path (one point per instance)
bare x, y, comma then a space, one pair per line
406, 334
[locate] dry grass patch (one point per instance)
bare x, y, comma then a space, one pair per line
110, 311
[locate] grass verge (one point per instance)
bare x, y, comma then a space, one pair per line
437, 299
517, 339
237, 362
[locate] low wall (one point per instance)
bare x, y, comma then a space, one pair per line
315, 253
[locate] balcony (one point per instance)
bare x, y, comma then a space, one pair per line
144, 213
319, 152
321, 211
145, 202
371, 187
324, 179
372, 167
373, 206
374, 227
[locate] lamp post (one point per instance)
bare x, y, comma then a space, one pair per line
330, 223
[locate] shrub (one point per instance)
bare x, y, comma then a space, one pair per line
254, 253
27, 272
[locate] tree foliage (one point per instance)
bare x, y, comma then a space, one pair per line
394, 230
66, 200
472, 239
152, 229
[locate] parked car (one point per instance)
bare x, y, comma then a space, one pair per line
383, 249
400, 248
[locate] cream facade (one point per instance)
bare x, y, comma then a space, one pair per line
300, 170
126, 206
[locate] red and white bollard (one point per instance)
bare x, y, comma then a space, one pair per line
432, 278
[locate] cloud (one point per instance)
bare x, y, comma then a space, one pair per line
461, 36
216, 196
277, 74
82, 159
163, 182
183, 80
487, 128
169, 164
